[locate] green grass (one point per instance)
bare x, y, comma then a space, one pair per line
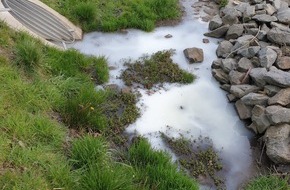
111, 15
270, 182
154, 69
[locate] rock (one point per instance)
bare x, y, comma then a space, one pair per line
194, 55
277, 140
277, 77
282, 27
259, 6
235, 31
219, 32
243, 110
283, 63
261, 34
205, 40
228, 64
260, 119
271, 90
244, 64
168, 36
253, 99
242, 7
224, 49
216, 64
253, 127
278, 114
243, 41
264, 18
276, 4
220, 76
257, 1
255, 61
243, 89
249, 13
261, 12
228, 10
236, 77
282, 98
275, 35
250, 25
112, 87
226, 87
285, 50
249, 52
126, 90
283, 15
267, 57
258, 75
270, 9
215, 23
231, 98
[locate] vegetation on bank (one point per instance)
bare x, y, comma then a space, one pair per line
270, 182
111, 15
157, 68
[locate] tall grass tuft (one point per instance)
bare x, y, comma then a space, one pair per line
270, 182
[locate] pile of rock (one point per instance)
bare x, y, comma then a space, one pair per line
254, 68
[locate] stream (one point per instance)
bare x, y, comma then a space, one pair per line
206, 111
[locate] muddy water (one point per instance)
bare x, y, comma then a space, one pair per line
200, 108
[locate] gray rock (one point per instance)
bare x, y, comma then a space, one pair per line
270, 9
235, 31
226, 87
259, 6
251, 24
236, 77
216, 64
278, 114
219, 32
261, 34
220, 76
243, 110
267, 57
253, 99
276, 4
277, 140
275, 35
194, 55
285, 50
215, 23
244, 64
243, 41
249, 13
277, 77
224, 49
242, 7
230, 19
260, 119
271, 90
228, 10
282, 27
231, 98
283, 63
249, 52
257, 1
258, 75
243, 89
253, 127
281, 98
264, 18
228, 64
283, 15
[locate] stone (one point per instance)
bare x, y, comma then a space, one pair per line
260, 34
271, 90
270, 9
244, 65
267, 57
258, 75
285, 50
243, 41
243, 89
126, 90
278, 114
276, 4
277, 140
219, 32
242, 7
255, 61
231, 98
282, 27
283, 15
236, 77
259, 6
252, 24
220, 76
228, 10
216, 64
249, 13
253, 127
277, 77
215, 23
205, 40
264, 18
226, 87
168, 36
260, 119
235, 31
276, 35
228, 64
224, 48
194, 55
249, 52
243, 110
253, 99
281, 98
283, 63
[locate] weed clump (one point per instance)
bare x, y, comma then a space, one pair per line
268, 183
158, 68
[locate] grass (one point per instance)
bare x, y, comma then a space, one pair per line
270, 182
154, 69
111, 15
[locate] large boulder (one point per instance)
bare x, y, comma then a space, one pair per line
224, 49
278, 114
243, 110
281, 98
283, 63
253, 99
194, 55
258, 75
277, 77
267, 57
278, 36
283, 15
277, 140
219, 32
243, 89
215, 22
260, 119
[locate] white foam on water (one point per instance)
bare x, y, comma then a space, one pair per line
206, 110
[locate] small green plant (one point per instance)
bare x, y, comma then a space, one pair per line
85, 11
223, 3
270, 182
